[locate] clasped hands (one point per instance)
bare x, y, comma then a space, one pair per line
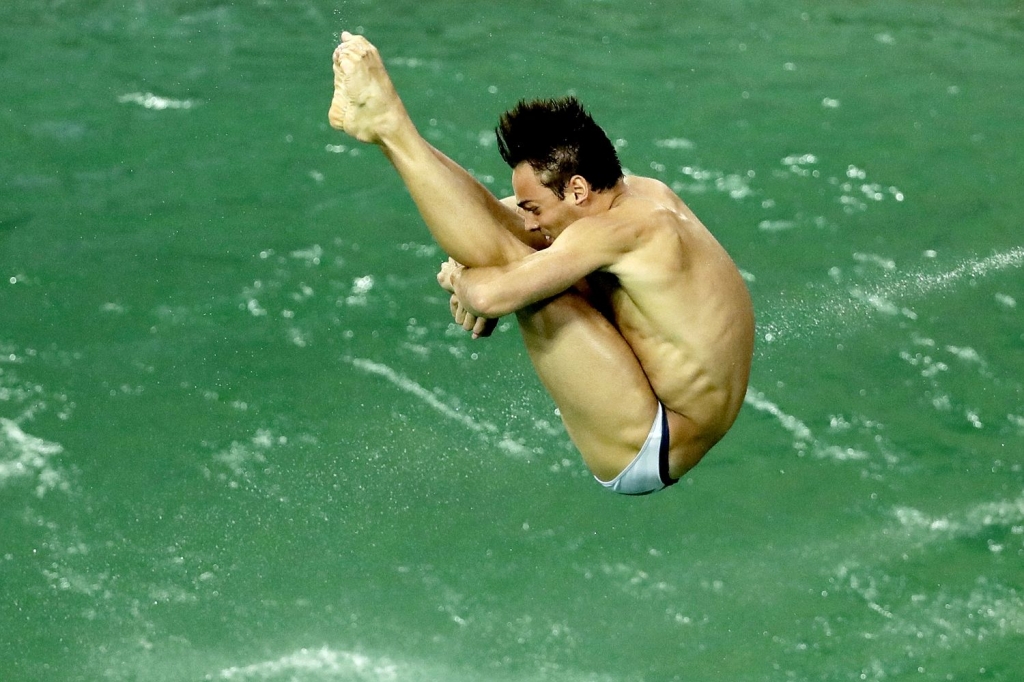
480, 326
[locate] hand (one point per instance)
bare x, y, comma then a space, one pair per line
444, 277
480, 326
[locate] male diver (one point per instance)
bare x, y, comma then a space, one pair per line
637, 321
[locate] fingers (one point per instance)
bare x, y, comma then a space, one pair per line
484, 327
444, 279
460, 314
444, 275
479, 326
468, 320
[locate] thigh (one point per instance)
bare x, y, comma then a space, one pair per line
597, 383
466, 220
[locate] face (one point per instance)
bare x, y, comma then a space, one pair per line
541, 207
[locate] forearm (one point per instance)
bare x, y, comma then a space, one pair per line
493, 291
485, 292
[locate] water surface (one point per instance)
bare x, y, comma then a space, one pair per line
239, 439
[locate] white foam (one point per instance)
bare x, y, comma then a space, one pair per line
240, 462
674, 143
776, 225
150, 101
1006, 300
971, 521
801, 434
735, 185
26, 456
803, 438
875, 259
324, 663
312, 255
361, 287
956, 613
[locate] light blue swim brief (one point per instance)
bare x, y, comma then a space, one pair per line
648, 472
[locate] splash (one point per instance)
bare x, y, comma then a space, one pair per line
921, 284
409, 386
838, 313
485, 429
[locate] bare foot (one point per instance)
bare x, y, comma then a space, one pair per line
365, 103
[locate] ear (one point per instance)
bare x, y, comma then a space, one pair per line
579, 188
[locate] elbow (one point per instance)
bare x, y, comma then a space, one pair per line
484, 301
483, 294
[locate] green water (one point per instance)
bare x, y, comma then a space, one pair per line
240, 441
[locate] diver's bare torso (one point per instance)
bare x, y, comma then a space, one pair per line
681, 304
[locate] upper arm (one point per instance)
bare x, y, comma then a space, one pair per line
583, 248
575, 254
555, 269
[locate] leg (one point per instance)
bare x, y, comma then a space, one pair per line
601, 390
595, 380
465, 219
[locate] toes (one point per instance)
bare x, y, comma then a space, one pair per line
348, 64
350, 38
357, 43
351, 51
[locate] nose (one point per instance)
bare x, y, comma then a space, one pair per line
530, 221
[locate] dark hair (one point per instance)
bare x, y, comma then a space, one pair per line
559, 139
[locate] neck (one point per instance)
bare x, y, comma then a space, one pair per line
609, 198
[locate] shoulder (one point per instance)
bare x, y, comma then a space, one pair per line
613, 234
650, 187
599, 241
658, 192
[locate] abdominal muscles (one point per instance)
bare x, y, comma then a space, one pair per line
697, 370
